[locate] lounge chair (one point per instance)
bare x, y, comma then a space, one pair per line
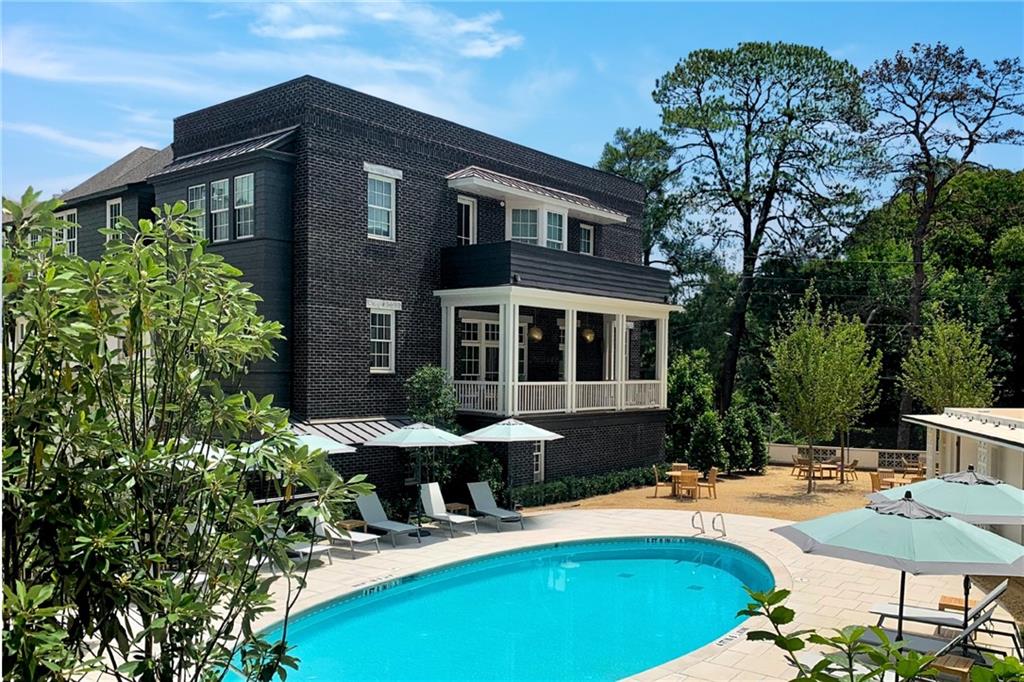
483, 502
711, 485
373, 513
334, 534
952, 619
931, 645
307, 550
433, 507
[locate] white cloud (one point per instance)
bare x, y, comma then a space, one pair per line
107, 146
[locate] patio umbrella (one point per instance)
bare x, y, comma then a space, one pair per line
968, 496
512, 431
418, 436
910, 537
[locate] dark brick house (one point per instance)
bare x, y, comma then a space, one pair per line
385, 239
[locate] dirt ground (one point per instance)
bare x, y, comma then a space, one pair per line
776, 494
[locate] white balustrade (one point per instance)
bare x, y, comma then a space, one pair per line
542, 396
641, 394
595, 395
478, 396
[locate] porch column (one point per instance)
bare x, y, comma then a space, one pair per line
508, 361
621, 363
570, 359
448, 341
661, 351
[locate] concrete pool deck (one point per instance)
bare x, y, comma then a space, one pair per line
826, 593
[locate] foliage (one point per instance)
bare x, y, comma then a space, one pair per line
813, 361
580, 487
690, 394
949, 367
844, 648
768, 137
735, 439
126, 550
477, 463
754, 423
431, 397
1008, 669
705, 449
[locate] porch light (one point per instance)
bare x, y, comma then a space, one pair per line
536, 333
588, 334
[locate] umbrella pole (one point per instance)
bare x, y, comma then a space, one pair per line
903, 589
967, 594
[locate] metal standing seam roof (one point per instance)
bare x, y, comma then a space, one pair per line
227, 151
532, 187
352, 431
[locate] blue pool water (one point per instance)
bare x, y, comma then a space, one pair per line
588, 610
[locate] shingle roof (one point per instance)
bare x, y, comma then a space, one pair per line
352, 431
134, 167
531, 187
228, 151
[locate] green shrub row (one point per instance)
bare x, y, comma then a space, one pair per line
580, 487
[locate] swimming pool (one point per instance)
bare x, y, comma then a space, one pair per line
593, 610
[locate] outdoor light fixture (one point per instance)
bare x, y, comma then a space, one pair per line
536, 333
588, 334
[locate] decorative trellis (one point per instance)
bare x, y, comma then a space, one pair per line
820, 454
894, 459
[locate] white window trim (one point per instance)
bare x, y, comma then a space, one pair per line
188, 202
584, 227
227, 210
383, 171
235, 206
69, 216
471, 202
542, 222
391, 214
390, 369
537, 463
120, 213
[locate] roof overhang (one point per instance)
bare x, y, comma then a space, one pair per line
547, 298
989, 431
505, 188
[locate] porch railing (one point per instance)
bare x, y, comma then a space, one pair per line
595, 395
641, 394
478, 396
542, 396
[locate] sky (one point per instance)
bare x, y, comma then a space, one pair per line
83, 84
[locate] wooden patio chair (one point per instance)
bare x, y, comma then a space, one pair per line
658, 483
851, 469
711, 484
679, 466
796, 467
686, 482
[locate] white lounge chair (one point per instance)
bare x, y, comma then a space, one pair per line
483, 502
333, 534
433, 507
373, 513
307, 550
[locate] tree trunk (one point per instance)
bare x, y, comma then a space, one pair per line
737, 330
810, 466
916, 299
842, 457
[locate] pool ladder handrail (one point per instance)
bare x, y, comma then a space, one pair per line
698, 516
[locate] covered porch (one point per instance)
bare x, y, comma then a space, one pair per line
517, 351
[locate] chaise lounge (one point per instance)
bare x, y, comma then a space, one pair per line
373, 513
483, 502
433, 507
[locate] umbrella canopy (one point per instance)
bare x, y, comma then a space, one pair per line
419, 435
511, 431
970, 497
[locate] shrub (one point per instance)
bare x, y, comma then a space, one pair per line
690, 394
706, 449
756, 437
735, 439
580, 487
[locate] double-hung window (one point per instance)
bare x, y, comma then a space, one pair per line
113, 213
220, 215
467, 222
587, 240
480, 350
555, 230
197, 203
380, 207
382, 341
524, 225
538, 461
67, 236
244, 219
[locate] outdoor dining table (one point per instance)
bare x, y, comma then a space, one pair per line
676, 475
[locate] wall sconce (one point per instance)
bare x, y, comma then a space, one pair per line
536, 333
588, 334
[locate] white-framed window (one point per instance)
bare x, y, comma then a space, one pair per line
67, 236
555, 235
380, 207
113, 213
522, 338
382, 341
479, 342
197, 202
245, 220
538, 461
467, 222
523, 223
220, 215
587, 239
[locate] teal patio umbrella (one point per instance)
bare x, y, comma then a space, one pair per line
910, 537
968, 496
512, 431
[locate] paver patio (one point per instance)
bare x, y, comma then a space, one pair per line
827, 592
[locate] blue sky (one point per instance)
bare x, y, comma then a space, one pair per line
83, 84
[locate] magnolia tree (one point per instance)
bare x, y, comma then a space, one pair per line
132, 547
